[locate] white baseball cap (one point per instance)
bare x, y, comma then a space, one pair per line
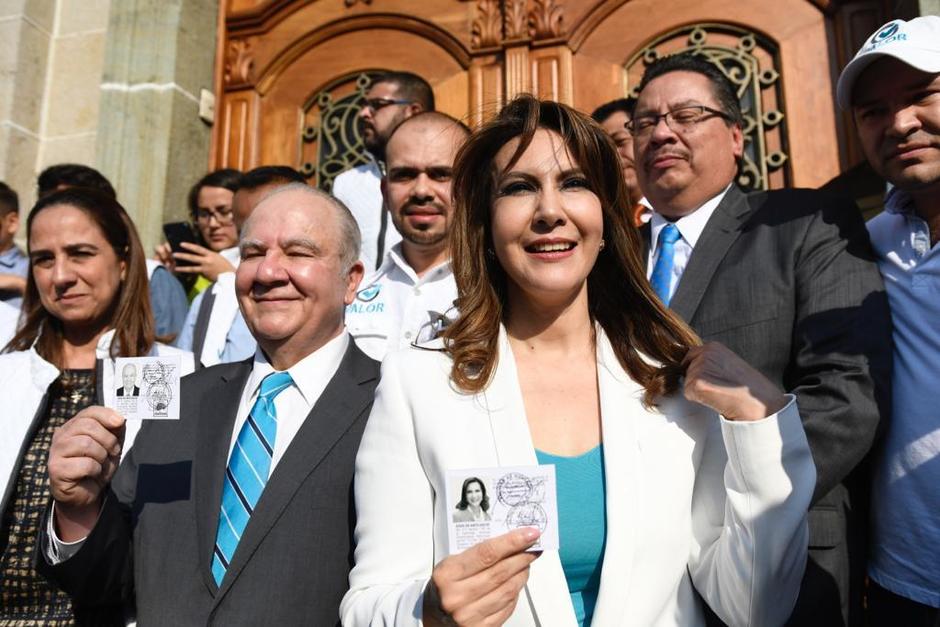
916, 43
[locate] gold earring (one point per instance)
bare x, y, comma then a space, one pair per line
601, 247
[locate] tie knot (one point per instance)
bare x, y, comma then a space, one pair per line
670, 234
275, 383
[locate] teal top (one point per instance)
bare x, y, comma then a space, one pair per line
582, 525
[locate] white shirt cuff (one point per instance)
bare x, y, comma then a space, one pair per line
58, 551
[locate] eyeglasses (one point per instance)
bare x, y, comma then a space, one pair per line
222, 216
378, 103
679, 120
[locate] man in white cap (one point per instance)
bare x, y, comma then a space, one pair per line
892, 87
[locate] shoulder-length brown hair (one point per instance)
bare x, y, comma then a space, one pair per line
132, 316
620, 298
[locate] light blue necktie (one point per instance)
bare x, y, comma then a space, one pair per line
662, 271
248, 469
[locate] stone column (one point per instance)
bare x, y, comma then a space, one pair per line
25, 33
151, 142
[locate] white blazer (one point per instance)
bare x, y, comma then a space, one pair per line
692, 500
25, 378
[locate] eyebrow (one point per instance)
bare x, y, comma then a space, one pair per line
691, 102
529, 177
302, 242
69, 249
927, 83
250, 244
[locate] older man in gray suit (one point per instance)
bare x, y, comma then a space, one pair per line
786, 280
241, 511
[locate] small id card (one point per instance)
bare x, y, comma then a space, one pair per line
146, 388
486, 502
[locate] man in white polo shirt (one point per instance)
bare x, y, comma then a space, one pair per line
410, 298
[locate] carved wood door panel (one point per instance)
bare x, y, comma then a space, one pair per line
280, 57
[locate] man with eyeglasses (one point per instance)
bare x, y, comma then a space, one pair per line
391, 98
786, 280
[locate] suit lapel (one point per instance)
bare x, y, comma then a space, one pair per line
343, 400
720, 233
623, 477
216, 418
547, 588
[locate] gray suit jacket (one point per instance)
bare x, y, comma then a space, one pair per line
155, 536
786, 279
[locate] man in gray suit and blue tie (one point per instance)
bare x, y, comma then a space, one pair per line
785, 279
241, 511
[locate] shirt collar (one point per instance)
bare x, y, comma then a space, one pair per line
232, 255
690, 226
307, 372
10, 256
394, 258
899, 202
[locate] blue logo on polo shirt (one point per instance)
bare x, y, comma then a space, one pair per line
369, 293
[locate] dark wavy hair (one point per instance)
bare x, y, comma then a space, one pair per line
464, 504
620, 299
132, 316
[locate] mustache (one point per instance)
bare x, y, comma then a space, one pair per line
892, 147
672, 151
423, 206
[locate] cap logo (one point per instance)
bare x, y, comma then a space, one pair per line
886, 35
885, 32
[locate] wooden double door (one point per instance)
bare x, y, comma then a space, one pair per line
290, 73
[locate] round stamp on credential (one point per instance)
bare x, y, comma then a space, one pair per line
527, 515
513, 489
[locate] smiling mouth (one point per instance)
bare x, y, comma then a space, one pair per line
553, 247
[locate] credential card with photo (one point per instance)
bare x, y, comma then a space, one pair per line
146, 388
483, 503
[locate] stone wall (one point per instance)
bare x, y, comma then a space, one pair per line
111, 84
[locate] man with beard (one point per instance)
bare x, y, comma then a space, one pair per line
410, 298
392, 98
892, 87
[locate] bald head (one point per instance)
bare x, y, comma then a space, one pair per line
417, 187
295, 280
348, 230
433, 121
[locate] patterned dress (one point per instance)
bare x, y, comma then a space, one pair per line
26, 598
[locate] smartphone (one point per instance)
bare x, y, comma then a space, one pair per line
176, 233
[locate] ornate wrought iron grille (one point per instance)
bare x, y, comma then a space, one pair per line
751, 61
332, 141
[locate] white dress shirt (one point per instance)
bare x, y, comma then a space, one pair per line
396, 308
310, 377
690, 228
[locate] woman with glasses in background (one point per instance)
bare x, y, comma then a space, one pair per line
210, 209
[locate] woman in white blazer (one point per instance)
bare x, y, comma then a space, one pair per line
562, 352
86, 302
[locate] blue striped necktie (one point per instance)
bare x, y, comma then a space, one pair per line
662, 271
248, 469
